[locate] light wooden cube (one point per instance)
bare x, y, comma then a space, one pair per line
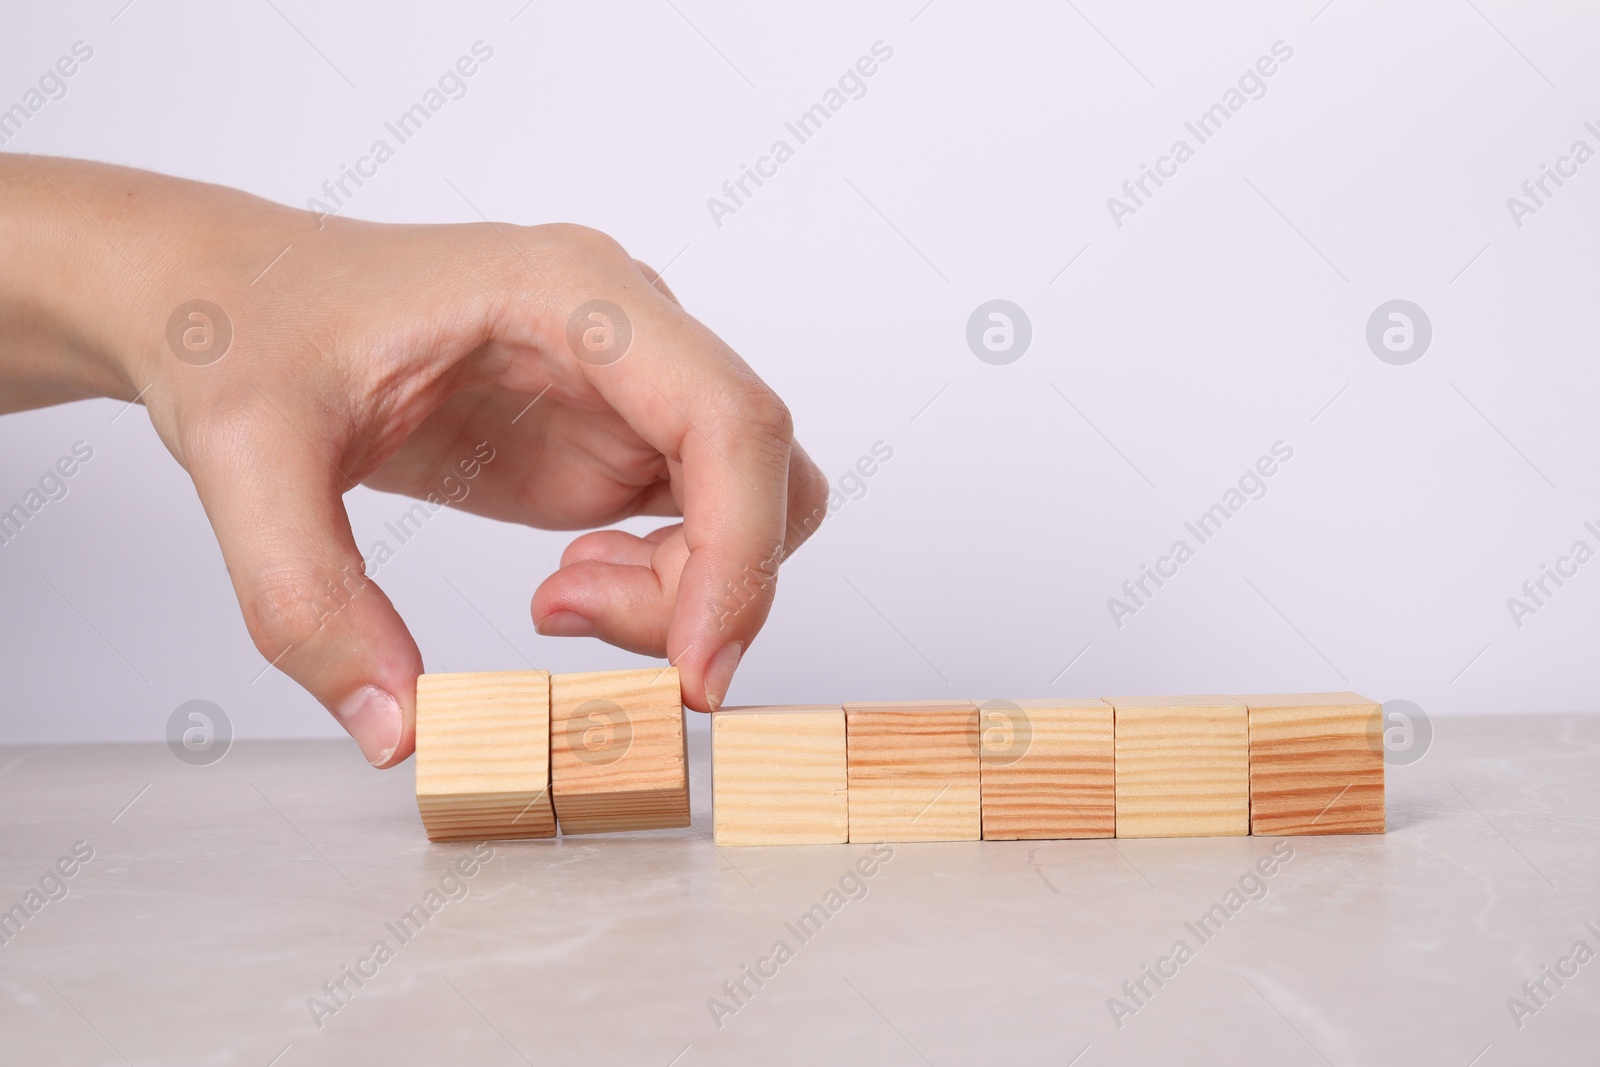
617, 751
1049, 769
483, 755
1183, 767
1316, 764
778, 776
914, 771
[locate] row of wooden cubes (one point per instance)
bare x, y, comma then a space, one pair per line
509, 754
1282, 764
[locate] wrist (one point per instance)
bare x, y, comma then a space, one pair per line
102, 266
50, 348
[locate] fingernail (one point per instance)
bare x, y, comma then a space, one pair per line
372, 717
566, 624
719, 673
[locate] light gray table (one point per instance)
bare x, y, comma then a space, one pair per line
222, 899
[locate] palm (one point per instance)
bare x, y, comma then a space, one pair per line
555, 466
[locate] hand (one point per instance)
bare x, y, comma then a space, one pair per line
401, 356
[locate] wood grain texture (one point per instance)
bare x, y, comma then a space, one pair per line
617, 755
1316, 764
483, 755
1183, 767
914, 771
778, 776
1048, 769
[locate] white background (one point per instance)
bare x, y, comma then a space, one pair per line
1227, 314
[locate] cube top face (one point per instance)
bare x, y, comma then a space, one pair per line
483, 733
1202, 701
617, 751
1304, 700
1292, 717
778, 776
914, 771
1183, 769
483, 755
1048, 769
909, 705
1316, 767
777, 709
1087, 703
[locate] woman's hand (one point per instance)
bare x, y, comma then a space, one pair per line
562, 374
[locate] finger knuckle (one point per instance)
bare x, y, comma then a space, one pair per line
760, 407
282, 610
228, 427
584, 245
754, 425
811, 497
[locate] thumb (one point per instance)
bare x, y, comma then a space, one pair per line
276, 506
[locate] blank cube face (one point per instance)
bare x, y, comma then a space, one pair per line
914, 771
1183, 768
617, 754
778, 776
1048, 769
483, 755
1316, 764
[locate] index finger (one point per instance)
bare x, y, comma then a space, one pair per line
691, 397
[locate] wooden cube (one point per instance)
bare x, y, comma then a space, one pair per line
1183, 767
778, 776
483, 755
1316, 764
617, 751
914, 771
1049, 769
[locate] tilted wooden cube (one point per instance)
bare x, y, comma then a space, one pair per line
1316, 764
914, 771
1049, 769
617, 751
778, 776
483, 755
1183, 766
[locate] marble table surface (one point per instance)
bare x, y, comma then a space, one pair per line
254, 912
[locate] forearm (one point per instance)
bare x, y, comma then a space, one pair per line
93, 261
